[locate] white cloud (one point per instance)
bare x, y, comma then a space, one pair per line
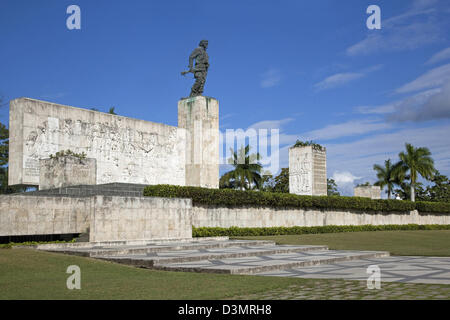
412, 29
271, 124
344, 177
386, 108
338, 80
349, 128
270, 78
433, 104
429, 105
423, 4
440, 56
361, 155
431, 79
345, 182
407, 37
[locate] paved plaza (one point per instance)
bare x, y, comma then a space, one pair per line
328, 274
433, 270
321, 289
265, 258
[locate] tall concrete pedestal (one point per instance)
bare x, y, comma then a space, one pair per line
199, 116
307, 171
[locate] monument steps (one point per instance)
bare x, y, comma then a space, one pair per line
167, 257
257, 264
121, 250
212, 255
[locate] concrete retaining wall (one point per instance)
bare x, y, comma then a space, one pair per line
108, 218
114, 218
129, 218
203, 216
32, 215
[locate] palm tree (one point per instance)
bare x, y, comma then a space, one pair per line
247, 171
388, 175
417, 161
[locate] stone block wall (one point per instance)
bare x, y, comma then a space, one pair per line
138, 218
24, 215
372, 192
248, 217
107, 218
66, 171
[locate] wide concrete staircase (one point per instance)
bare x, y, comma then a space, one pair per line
213, 255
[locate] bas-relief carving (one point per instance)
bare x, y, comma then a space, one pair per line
125, 151
300, 173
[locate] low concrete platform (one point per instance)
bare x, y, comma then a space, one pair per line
262, 263
162, 258
212, 255
133, 248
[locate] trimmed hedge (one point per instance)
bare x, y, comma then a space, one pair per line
31, 243
277, 231
433, 207
236, 198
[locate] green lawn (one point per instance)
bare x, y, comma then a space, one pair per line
405, 243
30, 274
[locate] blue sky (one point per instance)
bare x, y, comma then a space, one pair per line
310, 68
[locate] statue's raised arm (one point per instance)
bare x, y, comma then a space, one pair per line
200, 70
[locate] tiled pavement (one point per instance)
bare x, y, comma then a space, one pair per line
261, 263
353, 290
393, 269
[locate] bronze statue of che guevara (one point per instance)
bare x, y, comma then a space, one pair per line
201, 68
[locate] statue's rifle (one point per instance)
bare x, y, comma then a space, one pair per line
188, 71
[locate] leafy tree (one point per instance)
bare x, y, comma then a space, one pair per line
438, 192
267, 181
4, 154
388, 175
404, 190
416, 161
332, 188
246, 174
280, 183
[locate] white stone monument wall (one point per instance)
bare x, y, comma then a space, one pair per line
307, 171
127, 150
372, 192
300, 171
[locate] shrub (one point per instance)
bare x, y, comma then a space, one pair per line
31, 243
315, 146
236, 198
276, 231
433, 207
